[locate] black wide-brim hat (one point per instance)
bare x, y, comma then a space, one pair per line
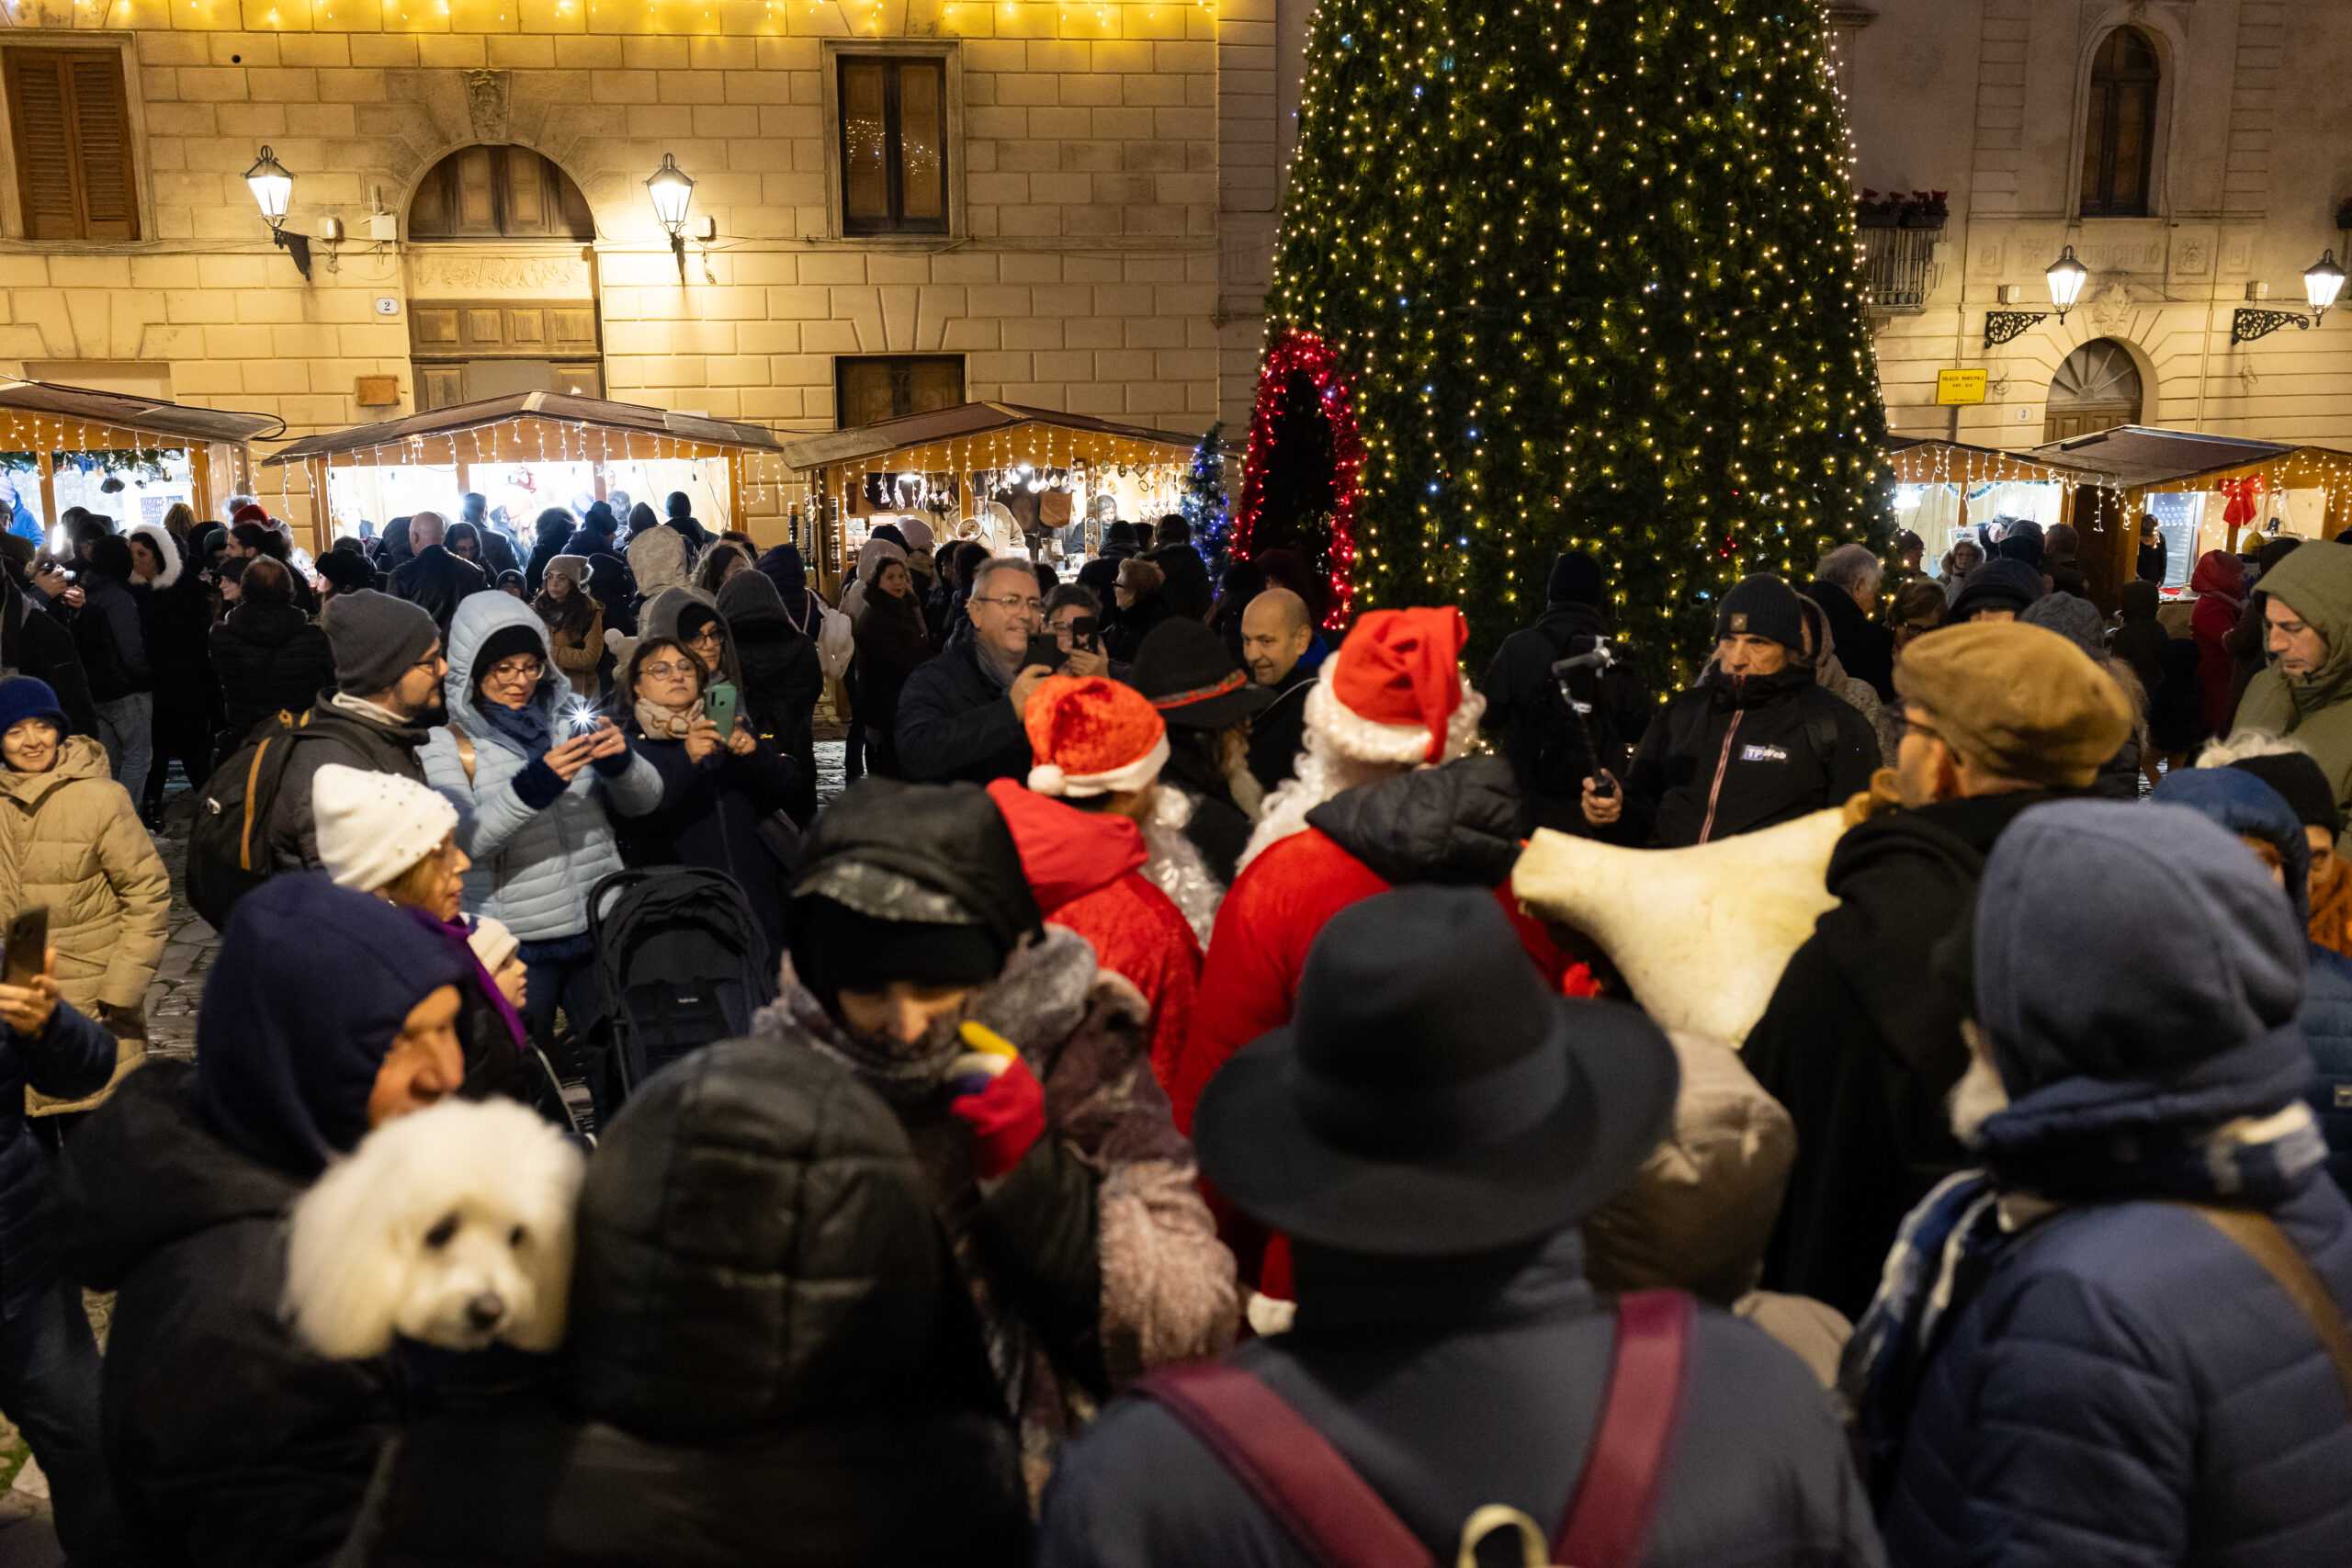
1432, 1098
1191, 677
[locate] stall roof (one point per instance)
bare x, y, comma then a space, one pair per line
2134, 456
628, 419
941, 427
1932, 460
120, 412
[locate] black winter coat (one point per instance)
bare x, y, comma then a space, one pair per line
1456, 1384
334, 735
1864, 647
782, 681
176, 618
1279, 732
892, 644
807, 1393
1546, 748
954, 722
1861, 1043
1123, 639
610, 581
1731, 756
231, 1442
74, 1056
111, 642
33, 642
709, 817
270, 659
435, 580
1188, 590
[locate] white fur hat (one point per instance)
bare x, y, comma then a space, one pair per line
372, 826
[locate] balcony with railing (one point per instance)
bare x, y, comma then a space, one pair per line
1902, 250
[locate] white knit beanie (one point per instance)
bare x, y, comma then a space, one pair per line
372, 826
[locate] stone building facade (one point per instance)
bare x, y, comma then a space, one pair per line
1078, 260
2192, 155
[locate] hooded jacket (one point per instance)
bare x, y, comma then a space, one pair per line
2116, 1380
955, 721
2218, 583
33, 642
535, 858
782, 679
270, 659
69, 839
1735, 754
549, 540
110, 639
1451, 1383
231, 1442
660, 618
2316, 583
810, 1392
610, 581
1861, 1043
783, 566
1084, 867
437, 582
658, 560
175, 617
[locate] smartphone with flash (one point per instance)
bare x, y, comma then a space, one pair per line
28, 949
718, 706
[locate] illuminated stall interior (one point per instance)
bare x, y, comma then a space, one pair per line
125, 456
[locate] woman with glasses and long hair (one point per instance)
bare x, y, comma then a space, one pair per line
722, 791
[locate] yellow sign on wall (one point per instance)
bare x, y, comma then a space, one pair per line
1959, 386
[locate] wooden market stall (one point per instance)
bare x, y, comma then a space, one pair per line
62, 429
529, 451
2207, 492
1946, 487
951, 464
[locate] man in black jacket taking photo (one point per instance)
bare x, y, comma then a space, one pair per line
1756, 743
1553, 748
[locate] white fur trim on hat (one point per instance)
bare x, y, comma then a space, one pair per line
1366, 740
1047, 779
372, 826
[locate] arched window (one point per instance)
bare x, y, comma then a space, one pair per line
499, 193
2120, 141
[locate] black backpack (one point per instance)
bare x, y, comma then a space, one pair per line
683, 963
228, 848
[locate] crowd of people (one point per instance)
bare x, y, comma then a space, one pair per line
1160, 1134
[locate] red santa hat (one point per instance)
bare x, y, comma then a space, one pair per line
249, 512
1089, 736
1394, 693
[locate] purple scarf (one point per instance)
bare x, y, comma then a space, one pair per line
457, 933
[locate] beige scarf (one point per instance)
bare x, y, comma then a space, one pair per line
666, 723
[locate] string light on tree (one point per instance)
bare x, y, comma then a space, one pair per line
1589, 267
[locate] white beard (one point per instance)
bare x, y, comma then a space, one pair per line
1979, 1096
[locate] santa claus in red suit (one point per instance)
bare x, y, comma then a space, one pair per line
1098, 746
1384, 797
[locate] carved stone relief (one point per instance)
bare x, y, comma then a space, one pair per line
487, 100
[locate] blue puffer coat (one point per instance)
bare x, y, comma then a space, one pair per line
533, 868
2123, 1384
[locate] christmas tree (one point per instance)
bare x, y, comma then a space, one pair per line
1587, 272
1204, 499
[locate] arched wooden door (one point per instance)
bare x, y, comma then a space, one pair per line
2096, 388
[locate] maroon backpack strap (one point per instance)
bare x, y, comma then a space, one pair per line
1290, 1468
1607, 1522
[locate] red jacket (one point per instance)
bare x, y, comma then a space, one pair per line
2220, 584
1270, 918
1081, 866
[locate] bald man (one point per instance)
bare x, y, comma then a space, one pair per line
433, 578
1276, 632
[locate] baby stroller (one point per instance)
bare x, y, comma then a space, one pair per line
683, 963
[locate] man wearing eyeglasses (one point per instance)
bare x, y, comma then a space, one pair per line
388, 670
959, 717
1861, 1041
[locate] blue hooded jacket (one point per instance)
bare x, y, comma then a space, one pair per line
2248, 806
2122, 1383
311, 987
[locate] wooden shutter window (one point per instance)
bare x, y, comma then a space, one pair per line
71, 121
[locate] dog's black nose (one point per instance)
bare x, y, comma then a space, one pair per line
486, 1309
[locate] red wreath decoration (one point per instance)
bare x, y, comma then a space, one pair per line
1292, 352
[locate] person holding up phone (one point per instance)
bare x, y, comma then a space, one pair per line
721, 788
960, 715
536, 797
50, 1366
1074, 617
71, 842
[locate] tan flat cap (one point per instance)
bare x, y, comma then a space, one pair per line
2024, 702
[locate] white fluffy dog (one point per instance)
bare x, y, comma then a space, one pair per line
452, 1227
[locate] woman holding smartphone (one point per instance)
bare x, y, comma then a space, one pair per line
723, 792
537, 779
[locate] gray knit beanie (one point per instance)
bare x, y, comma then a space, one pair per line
376, 639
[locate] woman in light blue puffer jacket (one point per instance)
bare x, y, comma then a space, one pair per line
532, 780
